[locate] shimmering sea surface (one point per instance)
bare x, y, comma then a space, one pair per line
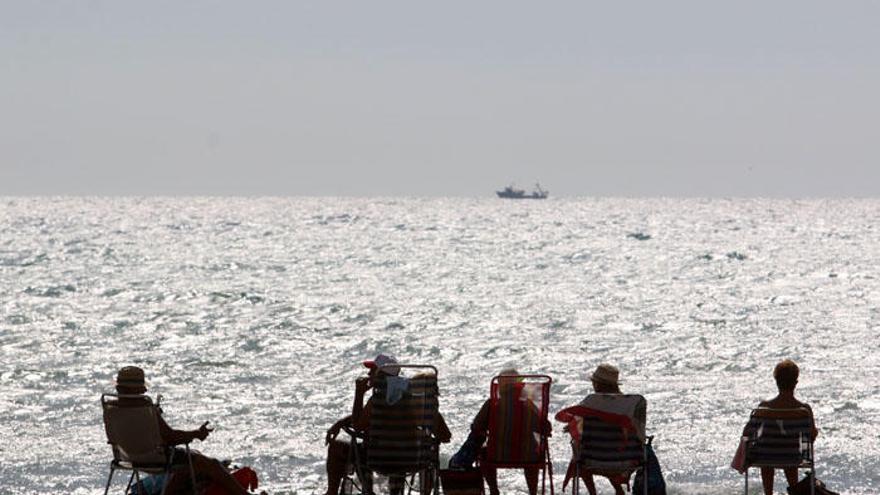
255, 314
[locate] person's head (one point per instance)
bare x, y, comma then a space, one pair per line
383, 364
507, 380
130, 381
786, 375
606, 379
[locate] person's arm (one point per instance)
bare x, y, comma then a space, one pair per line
362, 422
179, 437
814, 431
481, 420
441, 430
334, 430
361, 385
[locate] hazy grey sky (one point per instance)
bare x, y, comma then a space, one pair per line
694, 98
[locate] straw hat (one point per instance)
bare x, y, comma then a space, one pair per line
606, 373
131, 377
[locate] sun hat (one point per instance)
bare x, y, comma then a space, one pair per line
131, 377
386, 363
606, 373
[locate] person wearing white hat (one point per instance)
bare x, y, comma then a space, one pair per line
131, 387
337, 450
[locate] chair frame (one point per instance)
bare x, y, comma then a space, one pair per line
119, 464
808, 460
361, 477
545, 465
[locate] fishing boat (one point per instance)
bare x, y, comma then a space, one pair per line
511, 192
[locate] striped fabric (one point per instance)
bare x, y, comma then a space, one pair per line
400, 434
517, 415
605, 444
778, 437
612, 432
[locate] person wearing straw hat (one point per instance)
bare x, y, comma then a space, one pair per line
605, 380
131, 387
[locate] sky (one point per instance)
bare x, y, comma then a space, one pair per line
402, 98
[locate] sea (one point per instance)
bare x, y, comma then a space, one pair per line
256, 313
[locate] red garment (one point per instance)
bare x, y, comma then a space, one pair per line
245, 476
570, 414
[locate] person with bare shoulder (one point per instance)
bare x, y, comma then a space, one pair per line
786, 375
131, 387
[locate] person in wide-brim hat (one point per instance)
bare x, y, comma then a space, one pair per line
131, 386
606, 379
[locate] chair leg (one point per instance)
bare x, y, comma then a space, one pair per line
747, 482
130, 479
575, 486
109, 479
813, 480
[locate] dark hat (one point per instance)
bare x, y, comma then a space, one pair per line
131, 377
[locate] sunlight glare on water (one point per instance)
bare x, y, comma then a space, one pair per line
256, 314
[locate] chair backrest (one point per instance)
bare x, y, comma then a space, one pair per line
518, 425
779, 437
403, 414
132, 427
612, 431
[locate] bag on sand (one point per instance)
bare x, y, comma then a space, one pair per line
461, 481
656, 483
803, 488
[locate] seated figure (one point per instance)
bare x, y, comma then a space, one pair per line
786, 375
381, 368
610, 401
131, 387
474, 447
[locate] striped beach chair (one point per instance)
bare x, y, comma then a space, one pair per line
608, 436
779, 439
518, 426
400, 441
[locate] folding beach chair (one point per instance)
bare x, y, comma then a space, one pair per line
779, 439
518, 426
400, 441
132, 427
608, 432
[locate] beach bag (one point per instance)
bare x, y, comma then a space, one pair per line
651, 475
461, 481
803, 488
